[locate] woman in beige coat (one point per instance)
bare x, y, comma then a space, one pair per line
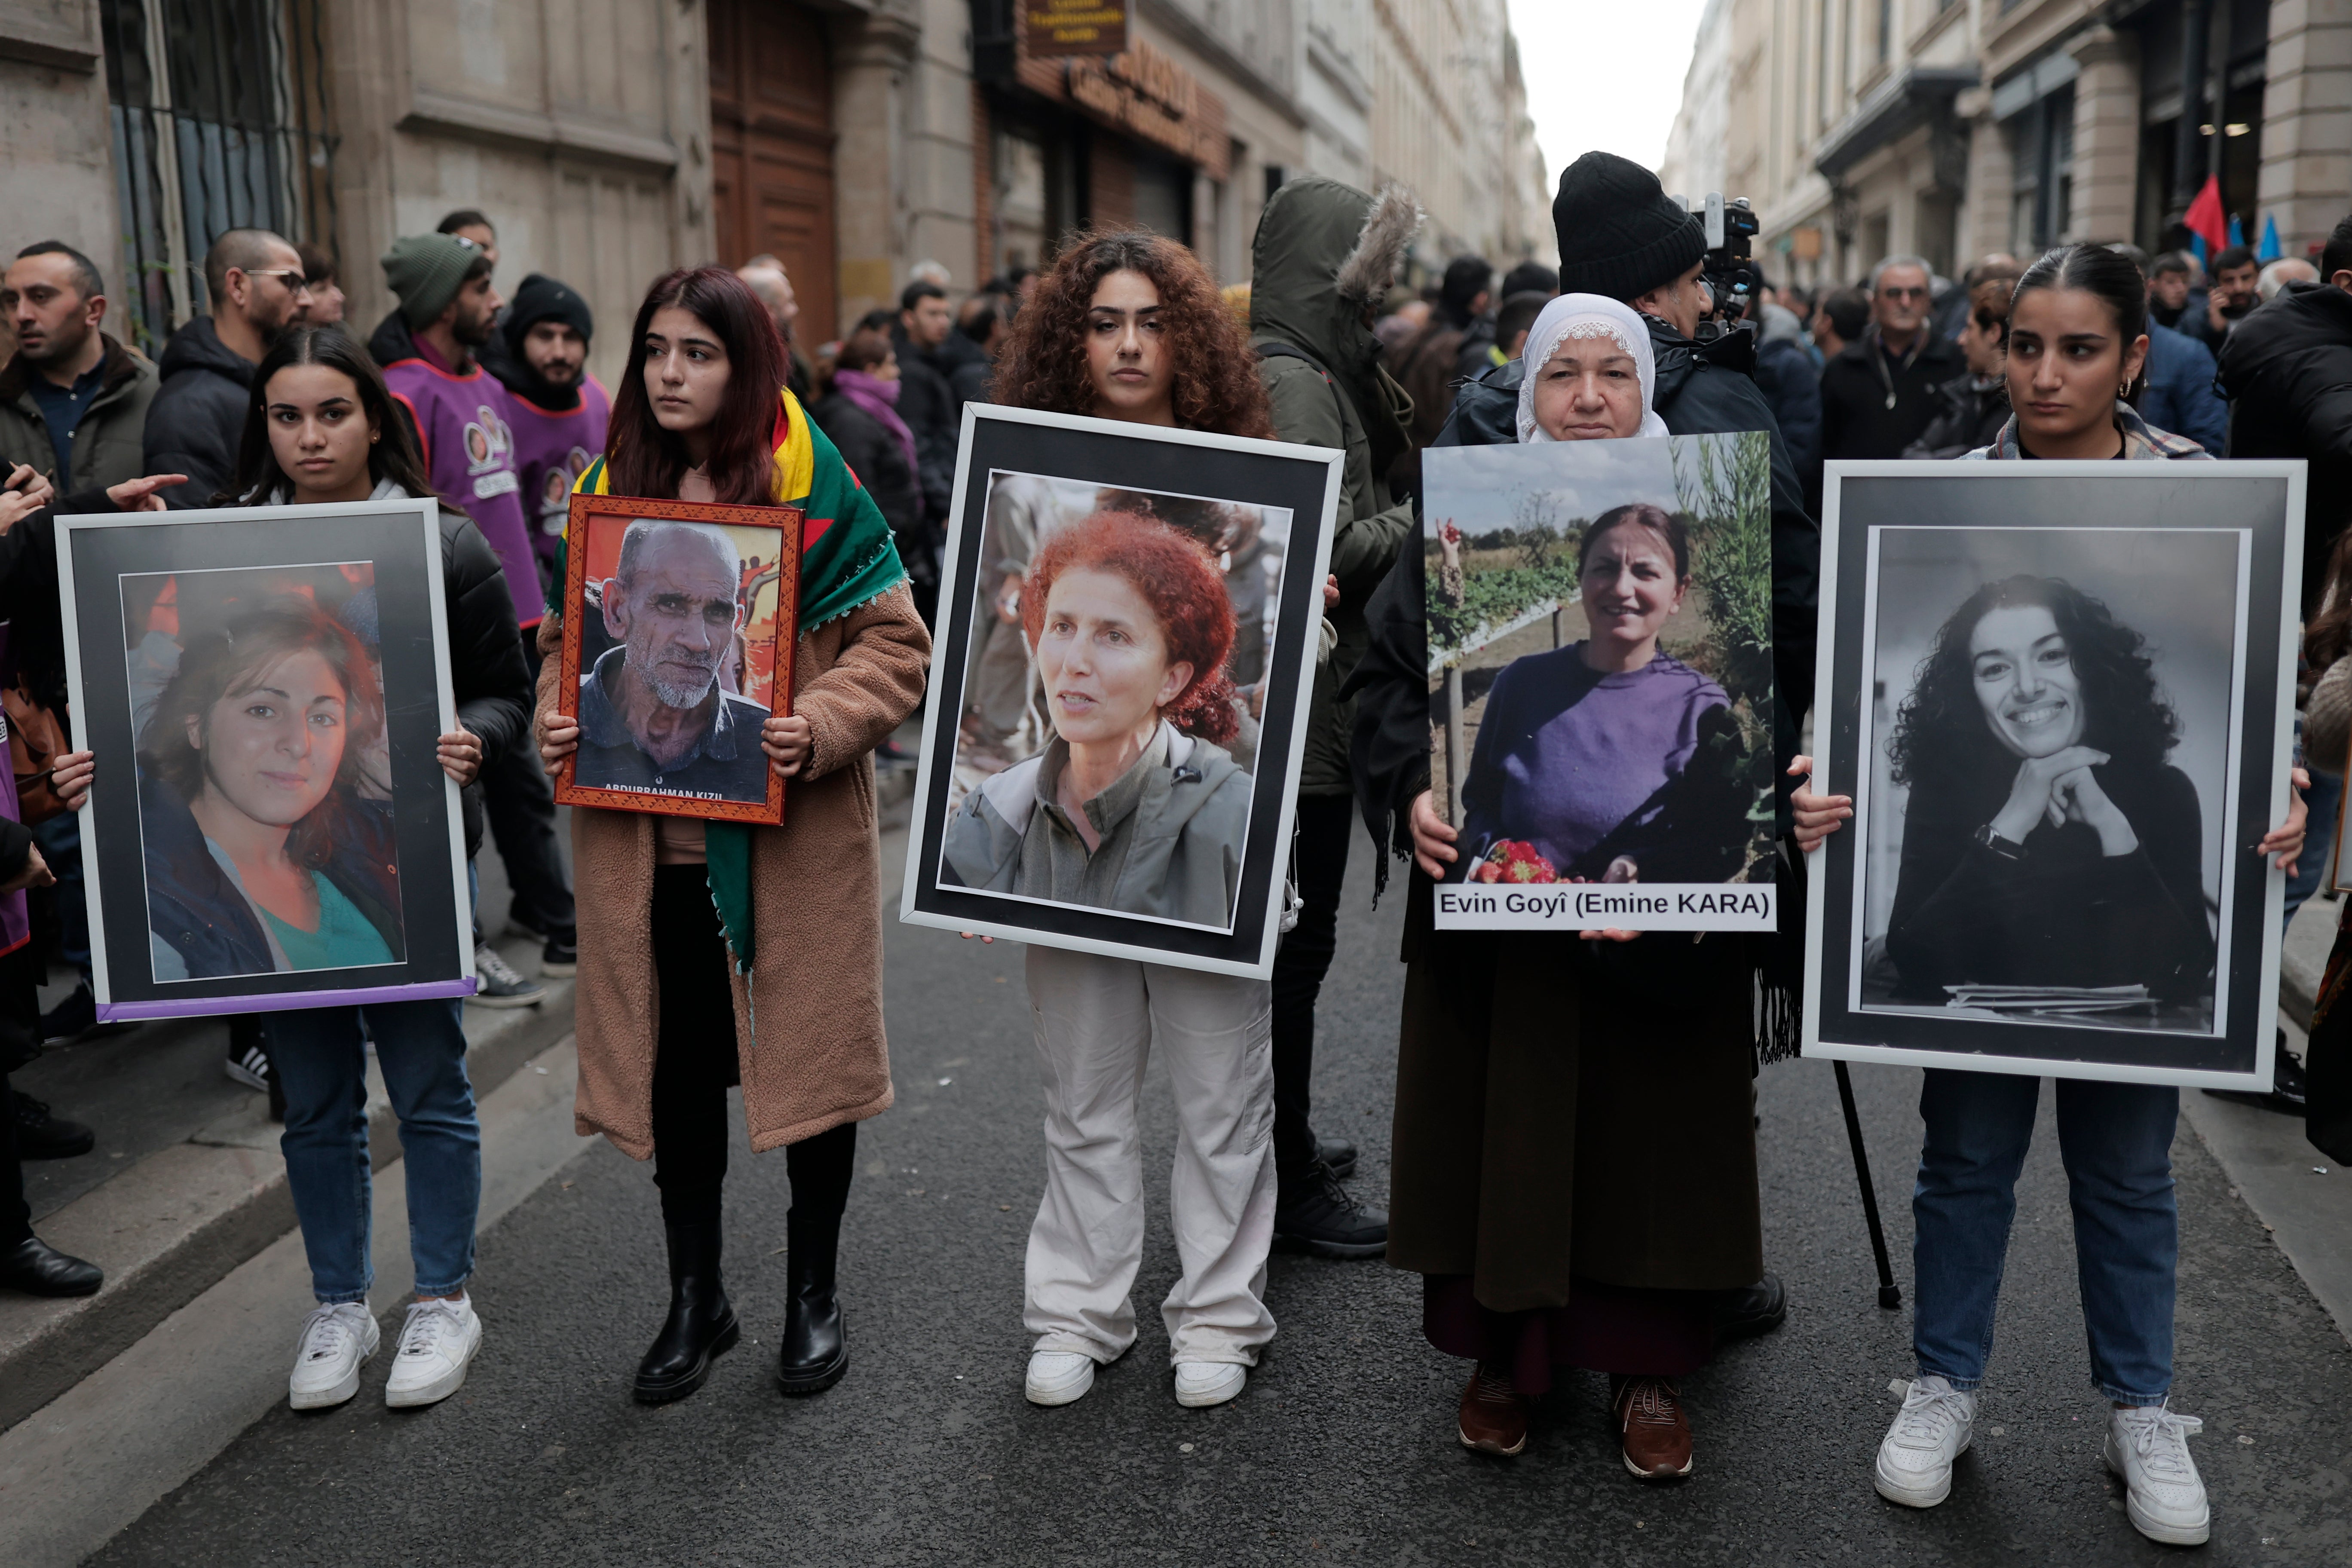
700, 967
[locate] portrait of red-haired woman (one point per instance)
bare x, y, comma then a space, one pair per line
1134, 805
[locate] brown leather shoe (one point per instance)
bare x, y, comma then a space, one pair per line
1493, 1416
1657, 1434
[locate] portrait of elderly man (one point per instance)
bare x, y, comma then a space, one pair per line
655, 712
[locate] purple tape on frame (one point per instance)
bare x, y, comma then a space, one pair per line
281, 1001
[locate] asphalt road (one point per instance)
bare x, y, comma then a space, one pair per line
1342, 1449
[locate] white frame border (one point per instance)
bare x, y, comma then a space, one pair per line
1818, 888
923, 849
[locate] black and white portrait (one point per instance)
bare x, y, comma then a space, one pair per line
2061, 697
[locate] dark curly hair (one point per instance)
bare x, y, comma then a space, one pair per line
1186, 591
1940, 733
1216, 386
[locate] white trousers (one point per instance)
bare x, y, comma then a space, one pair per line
1096, 1020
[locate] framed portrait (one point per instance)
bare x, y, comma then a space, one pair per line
678, 625
2061, 695
264, 688
1600, 683
1129, 625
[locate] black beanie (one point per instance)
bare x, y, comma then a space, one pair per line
543, 299
1618, 234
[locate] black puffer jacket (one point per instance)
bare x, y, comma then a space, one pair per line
492, 683
2286, 369
198, 414
875, 456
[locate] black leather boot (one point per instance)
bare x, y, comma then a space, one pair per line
702, 1325
816, 1350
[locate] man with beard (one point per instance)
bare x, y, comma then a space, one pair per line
73, 402
255, 283
2237, 278
463, 418
653, 716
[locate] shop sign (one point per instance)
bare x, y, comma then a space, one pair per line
1075, 27
1148, 95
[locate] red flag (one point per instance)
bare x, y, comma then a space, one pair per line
2205, 218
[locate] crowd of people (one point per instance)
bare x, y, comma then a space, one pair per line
1555, 1220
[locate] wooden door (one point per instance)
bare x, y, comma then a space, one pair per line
772, 148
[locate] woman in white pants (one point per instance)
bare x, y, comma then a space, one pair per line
1129, 326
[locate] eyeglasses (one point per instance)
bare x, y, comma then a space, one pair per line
1888, 291
300, 284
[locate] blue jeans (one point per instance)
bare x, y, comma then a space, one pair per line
2117, 1142
421, 1048
2325, 793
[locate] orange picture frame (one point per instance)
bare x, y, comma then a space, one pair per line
754, 672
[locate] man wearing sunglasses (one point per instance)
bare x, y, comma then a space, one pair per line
254, 283
1879, 393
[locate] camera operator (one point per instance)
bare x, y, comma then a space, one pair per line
1621, 237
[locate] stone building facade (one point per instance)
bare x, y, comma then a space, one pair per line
1956, 128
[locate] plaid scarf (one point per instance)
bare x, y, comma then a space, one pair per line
2142, 440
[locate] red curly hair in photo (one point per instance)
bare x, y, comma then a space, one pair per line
1187, 594
1215, 382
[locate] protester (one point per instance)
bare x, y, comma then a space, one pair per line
767, 278
320, 271
927, 403
1465, 302
463, 424
2235, 292
1790, 382
2076, 343
859, 412
1975, 405
1528, 277
1555, 1218
1878, 392
716, 953
1403, 314
73, 402
983, 323
2288, 372
321, 428
254, 282
1622, 237
2172, 298
2320, 1086
558, 414
1840, 320
1324, 252
1517, 313
1129, 326
2286, 269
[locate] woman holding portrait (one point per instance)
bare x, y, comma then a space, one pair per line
1558, 1215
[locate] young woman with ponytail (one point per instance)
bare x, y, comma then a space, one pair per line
1131, 626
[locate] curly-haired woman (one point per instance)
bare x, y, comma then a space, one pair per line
2050, 843
1132, 632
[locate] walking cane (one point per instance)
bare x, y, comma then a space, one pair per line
1889, 1295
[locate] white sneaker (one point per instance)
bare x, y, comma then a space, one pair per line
1059, 1377
334, 1341
1204, 1382
2148, 1448
435, 1342
1936, 1426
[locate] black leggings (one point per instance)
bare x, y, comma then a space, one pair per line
694, 1065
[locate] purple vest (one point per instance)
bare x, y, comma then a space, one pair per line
551, 450
464, 422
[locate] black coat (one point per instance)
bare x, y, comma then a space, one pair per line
198, 415
1856, 419
927, 403
1967, 416
875, 455
2287, 372
489, 678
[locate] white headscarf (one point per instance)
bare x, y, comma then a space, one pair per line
1587, 316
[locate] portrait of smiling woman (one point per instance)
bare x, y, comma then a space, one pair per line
2049, 839
261, 854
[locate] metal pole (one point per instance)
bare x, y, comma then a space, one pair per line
1889, 1296
1453, 744
2196, 22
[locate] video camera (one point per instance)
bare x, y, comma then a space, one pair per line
1729, 274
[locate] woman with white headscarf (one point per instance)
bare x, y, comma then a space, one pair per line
1574, 1155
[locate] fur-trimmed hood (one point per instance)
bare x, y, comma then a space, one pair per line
1323, 250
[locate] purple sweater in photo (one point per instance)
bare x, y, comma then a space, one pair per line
1567, 755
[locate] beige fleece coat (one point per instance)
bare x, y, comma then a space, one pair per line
808, 1018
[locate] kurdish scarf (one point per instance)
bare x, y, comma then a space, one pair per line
847, 559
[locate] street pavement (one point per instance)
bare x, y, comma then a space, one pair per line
1341, 1450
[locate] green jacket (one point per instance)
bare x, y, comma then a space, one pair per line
107, 441
1309, 234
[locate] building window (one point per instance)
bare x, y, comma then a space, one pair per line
1034, 200
219, 122
1164, 196
2041, 192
